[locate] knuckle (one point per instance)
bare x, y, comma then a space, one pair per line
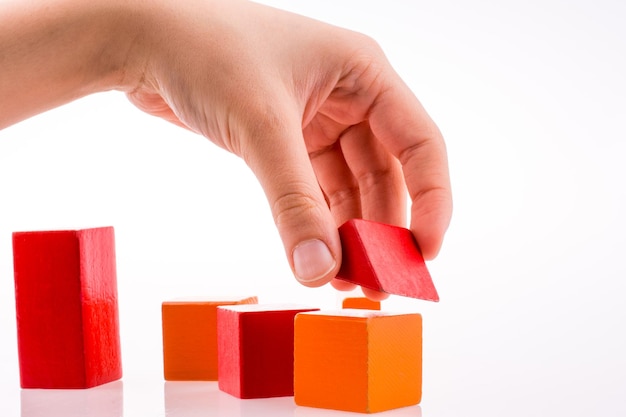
292, 207
370, 181
342, 195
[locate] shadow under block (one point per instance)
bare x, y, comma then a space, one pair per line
358, 360
190, 337
255, 349
362, 303
385, 258
67, 309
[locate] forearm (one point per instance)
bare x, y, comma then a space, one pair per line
55, 51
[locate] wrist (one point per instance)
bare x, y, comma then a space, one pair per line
56, 51
119, 56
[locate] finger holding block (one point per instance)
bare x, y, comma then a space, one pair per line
358, 360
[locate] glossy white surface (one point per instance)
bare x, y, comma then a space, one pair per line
171, 399
531, 99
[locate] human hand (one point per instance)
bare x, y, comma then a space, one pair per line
317, 112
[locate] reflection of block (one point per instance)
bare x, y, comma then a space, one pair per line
384, 258
255, 349
67, 313
362, 303
189, 399
190, 337
358, 360
103, 401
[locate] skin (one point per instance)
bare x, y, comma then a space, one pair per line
316, 111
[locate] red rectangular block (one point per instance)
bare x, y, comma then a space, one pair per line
67, 311
255, 349
385, 258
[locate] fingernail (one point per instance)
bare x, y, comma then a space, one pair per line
312, 260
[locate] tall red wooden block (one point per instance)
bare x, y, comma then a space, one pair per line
67, 313
255, 349
385, 258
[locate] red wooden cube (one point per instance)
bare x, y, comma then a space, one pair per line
66, 303
385, 258
255, 349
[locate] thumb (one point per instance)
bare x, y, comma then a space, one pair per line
279, 159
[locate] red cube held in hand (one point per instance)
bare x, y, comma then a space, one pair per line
67, 312
385, 258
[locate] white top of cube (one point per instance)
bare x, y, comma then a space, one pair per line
356, 313
253, 308
209, 299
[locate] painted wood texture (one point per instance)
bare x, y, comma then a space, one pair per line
384, 258
255, 349
358, 360
190, 337
67, 308
362, 303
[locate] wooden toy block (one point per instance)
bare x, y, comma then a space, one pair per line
190, 337
358, 360
255, 349
67, 311
384, 258
362, 303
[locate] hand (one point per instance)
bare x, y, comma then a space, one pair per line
317, 113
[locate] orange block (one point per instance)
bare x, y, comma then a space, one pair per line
362, 303
190, 337
357, 360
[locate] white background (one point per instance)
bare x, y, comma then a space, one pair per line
531, 97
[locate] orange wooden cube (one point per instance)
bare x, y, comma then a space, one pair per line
190, 337
362, 303
357, 360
